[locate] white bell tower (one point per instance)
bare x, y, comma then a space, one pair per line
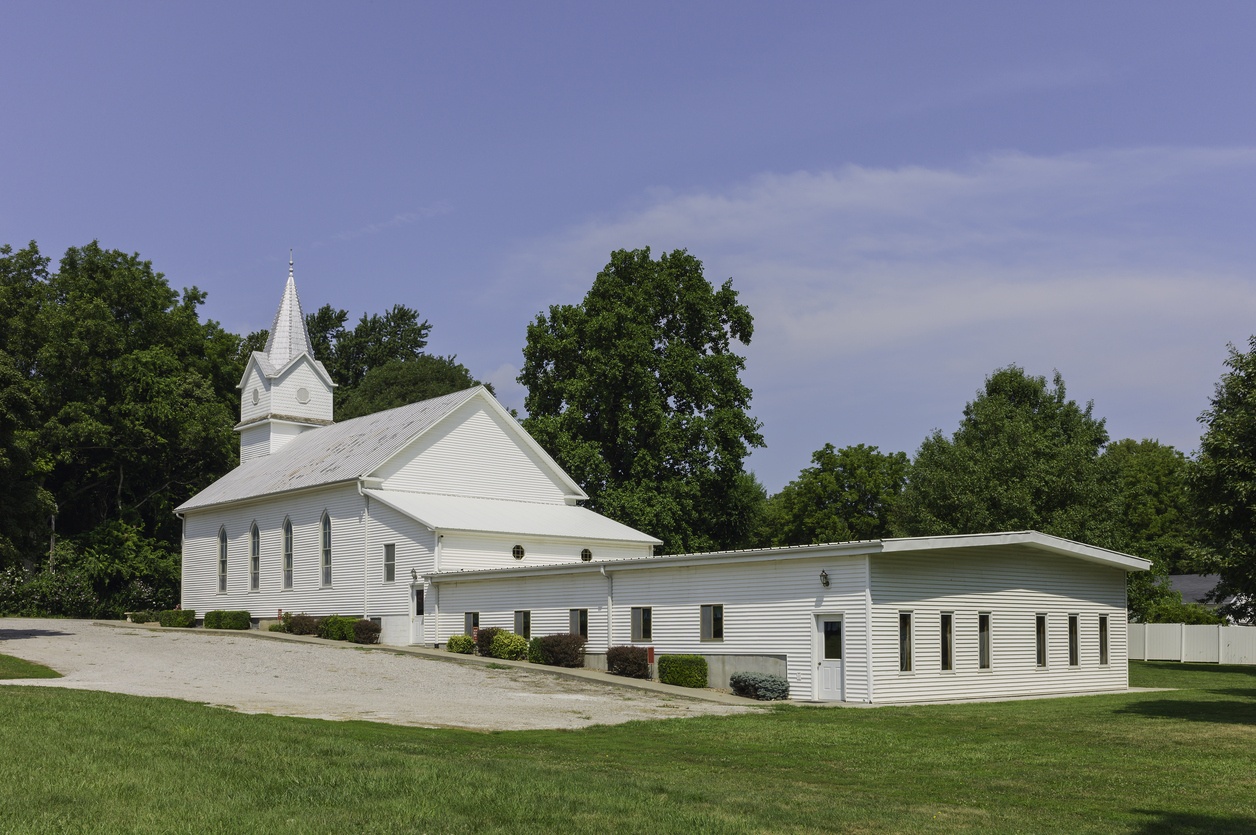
284, 390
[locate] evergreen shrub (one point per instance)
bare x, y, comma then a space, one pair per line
563, 649
142, 617
227, 619
336, 628
762, 686
628, 661
462, 644
366, 631
182, 618
484, 639
534, 651
301, 624
683, 670
276, 627
509, 646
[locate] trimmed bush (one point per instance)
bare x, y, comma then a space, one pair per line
336, 628
628, 661
182, 618
563, 649
301, 624
227, 619
276, 627
484, 639
142, 617
461, 644
683, 670
366, 631
762, 686
509, 646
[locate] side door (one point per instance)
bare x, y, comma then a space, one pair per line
829, 648
416, 615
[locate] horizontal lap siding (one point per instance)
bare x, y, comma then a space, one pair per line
200, 555
415, 550
471, 454
284, 393
549, 599
475, 551
257, 381
1014, 589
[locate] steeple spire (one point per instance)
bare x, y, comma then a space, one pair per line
288, 336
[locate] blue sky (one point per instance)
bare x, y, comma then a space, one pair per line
907, 195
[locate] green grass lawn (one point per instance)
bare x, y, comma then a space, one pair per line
1166, 762
11, 668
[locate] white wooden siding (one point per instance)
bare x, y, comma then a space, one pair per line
301, 375
549, 599
468, 551
1014, 588
254, 380
472, 454
254, 442
416, 547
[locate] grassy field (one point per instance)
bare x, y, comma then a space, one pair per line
11, 668
1167, 762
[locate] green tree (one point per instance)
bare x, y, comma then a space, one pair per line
845, 495
400, 382
637, 393
1024, 458
1223, 484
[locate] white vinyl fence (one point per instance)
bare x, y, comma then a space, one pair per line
1180, 642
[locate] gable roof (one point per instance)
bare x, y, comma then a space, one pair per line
331, 454
474, 515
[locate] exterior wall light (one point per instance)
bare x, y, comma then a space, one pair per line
824, 579
414, 575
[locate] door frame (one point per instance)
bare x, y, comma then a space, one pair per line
817, 652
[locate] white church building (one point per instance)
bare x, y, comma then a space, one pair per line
445, 515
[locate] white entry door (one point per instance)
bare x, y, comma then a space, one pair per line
416, 615
829, 658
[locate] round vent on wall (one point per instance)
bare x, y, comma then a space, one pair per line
303, 395
586, 555
256, 397
517, 552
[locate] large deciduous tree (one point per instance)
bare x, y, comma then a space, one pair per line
400, 382
1224, 484
845, 495
637, 393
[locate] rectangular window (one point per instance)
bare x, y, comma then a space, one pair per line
948, 641
418, 603
983, 641
390, 562
904, 641
1040, 637
713, 623
832, 640
1072, 641
470, 622
1103, 639
523, 623
579, 622
642, 623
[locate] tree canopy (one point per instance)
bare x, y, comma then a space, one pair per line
637, 393
403, 381
1224, 484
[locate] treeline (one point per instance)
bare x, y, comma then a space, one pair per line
117, 404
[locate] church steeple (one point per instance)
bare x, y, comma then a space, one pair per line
284, 391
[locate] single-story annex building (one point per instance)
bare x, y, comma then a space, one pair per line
445, 515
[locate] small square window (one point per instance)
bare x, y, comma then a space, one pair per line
642, 623
713, 622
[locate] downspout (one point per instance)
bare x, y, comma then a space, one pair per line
366, 542
868, 620
435, 592
610, 607
183, 548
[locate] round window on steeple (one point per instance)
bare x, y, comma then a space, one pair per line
303, 395
517, 552
256, 397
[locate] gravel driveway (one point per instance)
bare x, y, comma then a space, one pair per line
324, 681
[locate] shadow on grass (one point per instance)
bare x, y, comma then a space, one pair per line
1192, 823
1232, 711
19, 634
1214, 669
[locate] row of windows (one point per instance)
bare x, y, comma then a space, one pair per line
946, 633
711, 620
255, 555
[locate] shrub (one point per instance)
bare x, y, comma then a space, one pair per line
301, 624
683, 670
563, 649
276, 627
142, 617
628, 661
227, 619
336, 628
762, 686
484, 639
509, 646
534, 651
366, 631
462, 644
183, 618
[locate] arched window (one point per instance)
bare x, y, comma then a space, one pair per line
326, 549
222, 559
287, 553
255, 558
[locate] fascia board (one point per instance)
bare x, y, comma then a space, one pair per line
313, 363
1031, 539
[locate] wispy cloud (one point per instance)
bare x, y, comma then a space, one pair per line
395, 222
883, 296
